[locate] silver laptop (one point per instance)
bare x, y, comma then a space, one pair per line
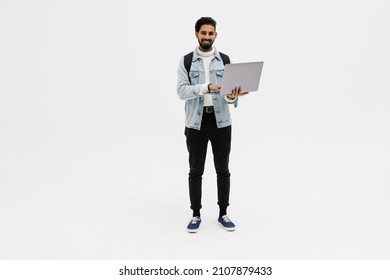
247, 75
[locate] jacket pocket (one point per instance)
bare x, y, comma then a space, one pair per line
194, 76
219, 75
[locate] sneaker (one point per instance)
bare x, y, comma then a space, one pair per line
193, 226
226, 223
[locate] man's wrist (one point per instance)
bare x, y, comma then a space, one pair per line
208, 86
230, 100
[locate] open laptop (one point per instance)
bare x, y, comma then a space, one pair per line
247, 75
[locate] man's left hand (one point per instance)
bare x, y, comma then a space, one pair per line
236, 92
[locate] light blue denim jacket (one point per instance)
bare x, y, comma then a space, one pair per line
190, 92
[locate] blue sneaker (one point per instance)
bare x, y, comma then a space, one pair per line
193, 226
226, 223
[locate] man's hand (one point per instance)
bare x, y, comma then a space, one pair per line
236, 92
214, 87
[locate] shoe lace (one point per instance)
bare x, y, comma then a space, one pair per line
194, 220
226, 219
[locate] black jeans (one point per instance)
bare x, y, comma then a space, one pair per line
197, 141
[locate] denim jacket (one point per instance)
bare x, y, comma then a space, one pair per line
190, 92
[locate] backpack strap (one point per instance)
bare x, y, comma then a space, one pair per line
188, 61
225, 58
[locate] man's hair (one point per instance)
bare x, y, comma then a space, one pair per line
203, 21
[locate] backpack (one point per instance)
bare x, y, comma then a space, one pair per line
188, 62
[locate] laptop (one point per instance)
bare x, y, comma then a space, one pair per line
247, 75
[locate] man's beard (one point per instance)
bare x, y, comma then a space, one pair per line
206, 45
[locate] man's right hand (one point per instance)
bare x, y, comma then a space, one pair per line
214, 87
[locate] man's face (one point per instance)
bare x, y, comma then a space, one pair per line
206, 37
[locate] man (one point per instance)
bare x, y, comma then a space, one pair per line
207, 119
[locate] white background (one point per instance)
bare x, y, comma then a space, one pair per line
93, 163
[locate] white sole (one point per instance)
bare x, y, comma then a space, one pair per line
227, 229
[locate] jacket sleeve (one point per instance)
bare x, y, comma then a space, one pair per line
185, 90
